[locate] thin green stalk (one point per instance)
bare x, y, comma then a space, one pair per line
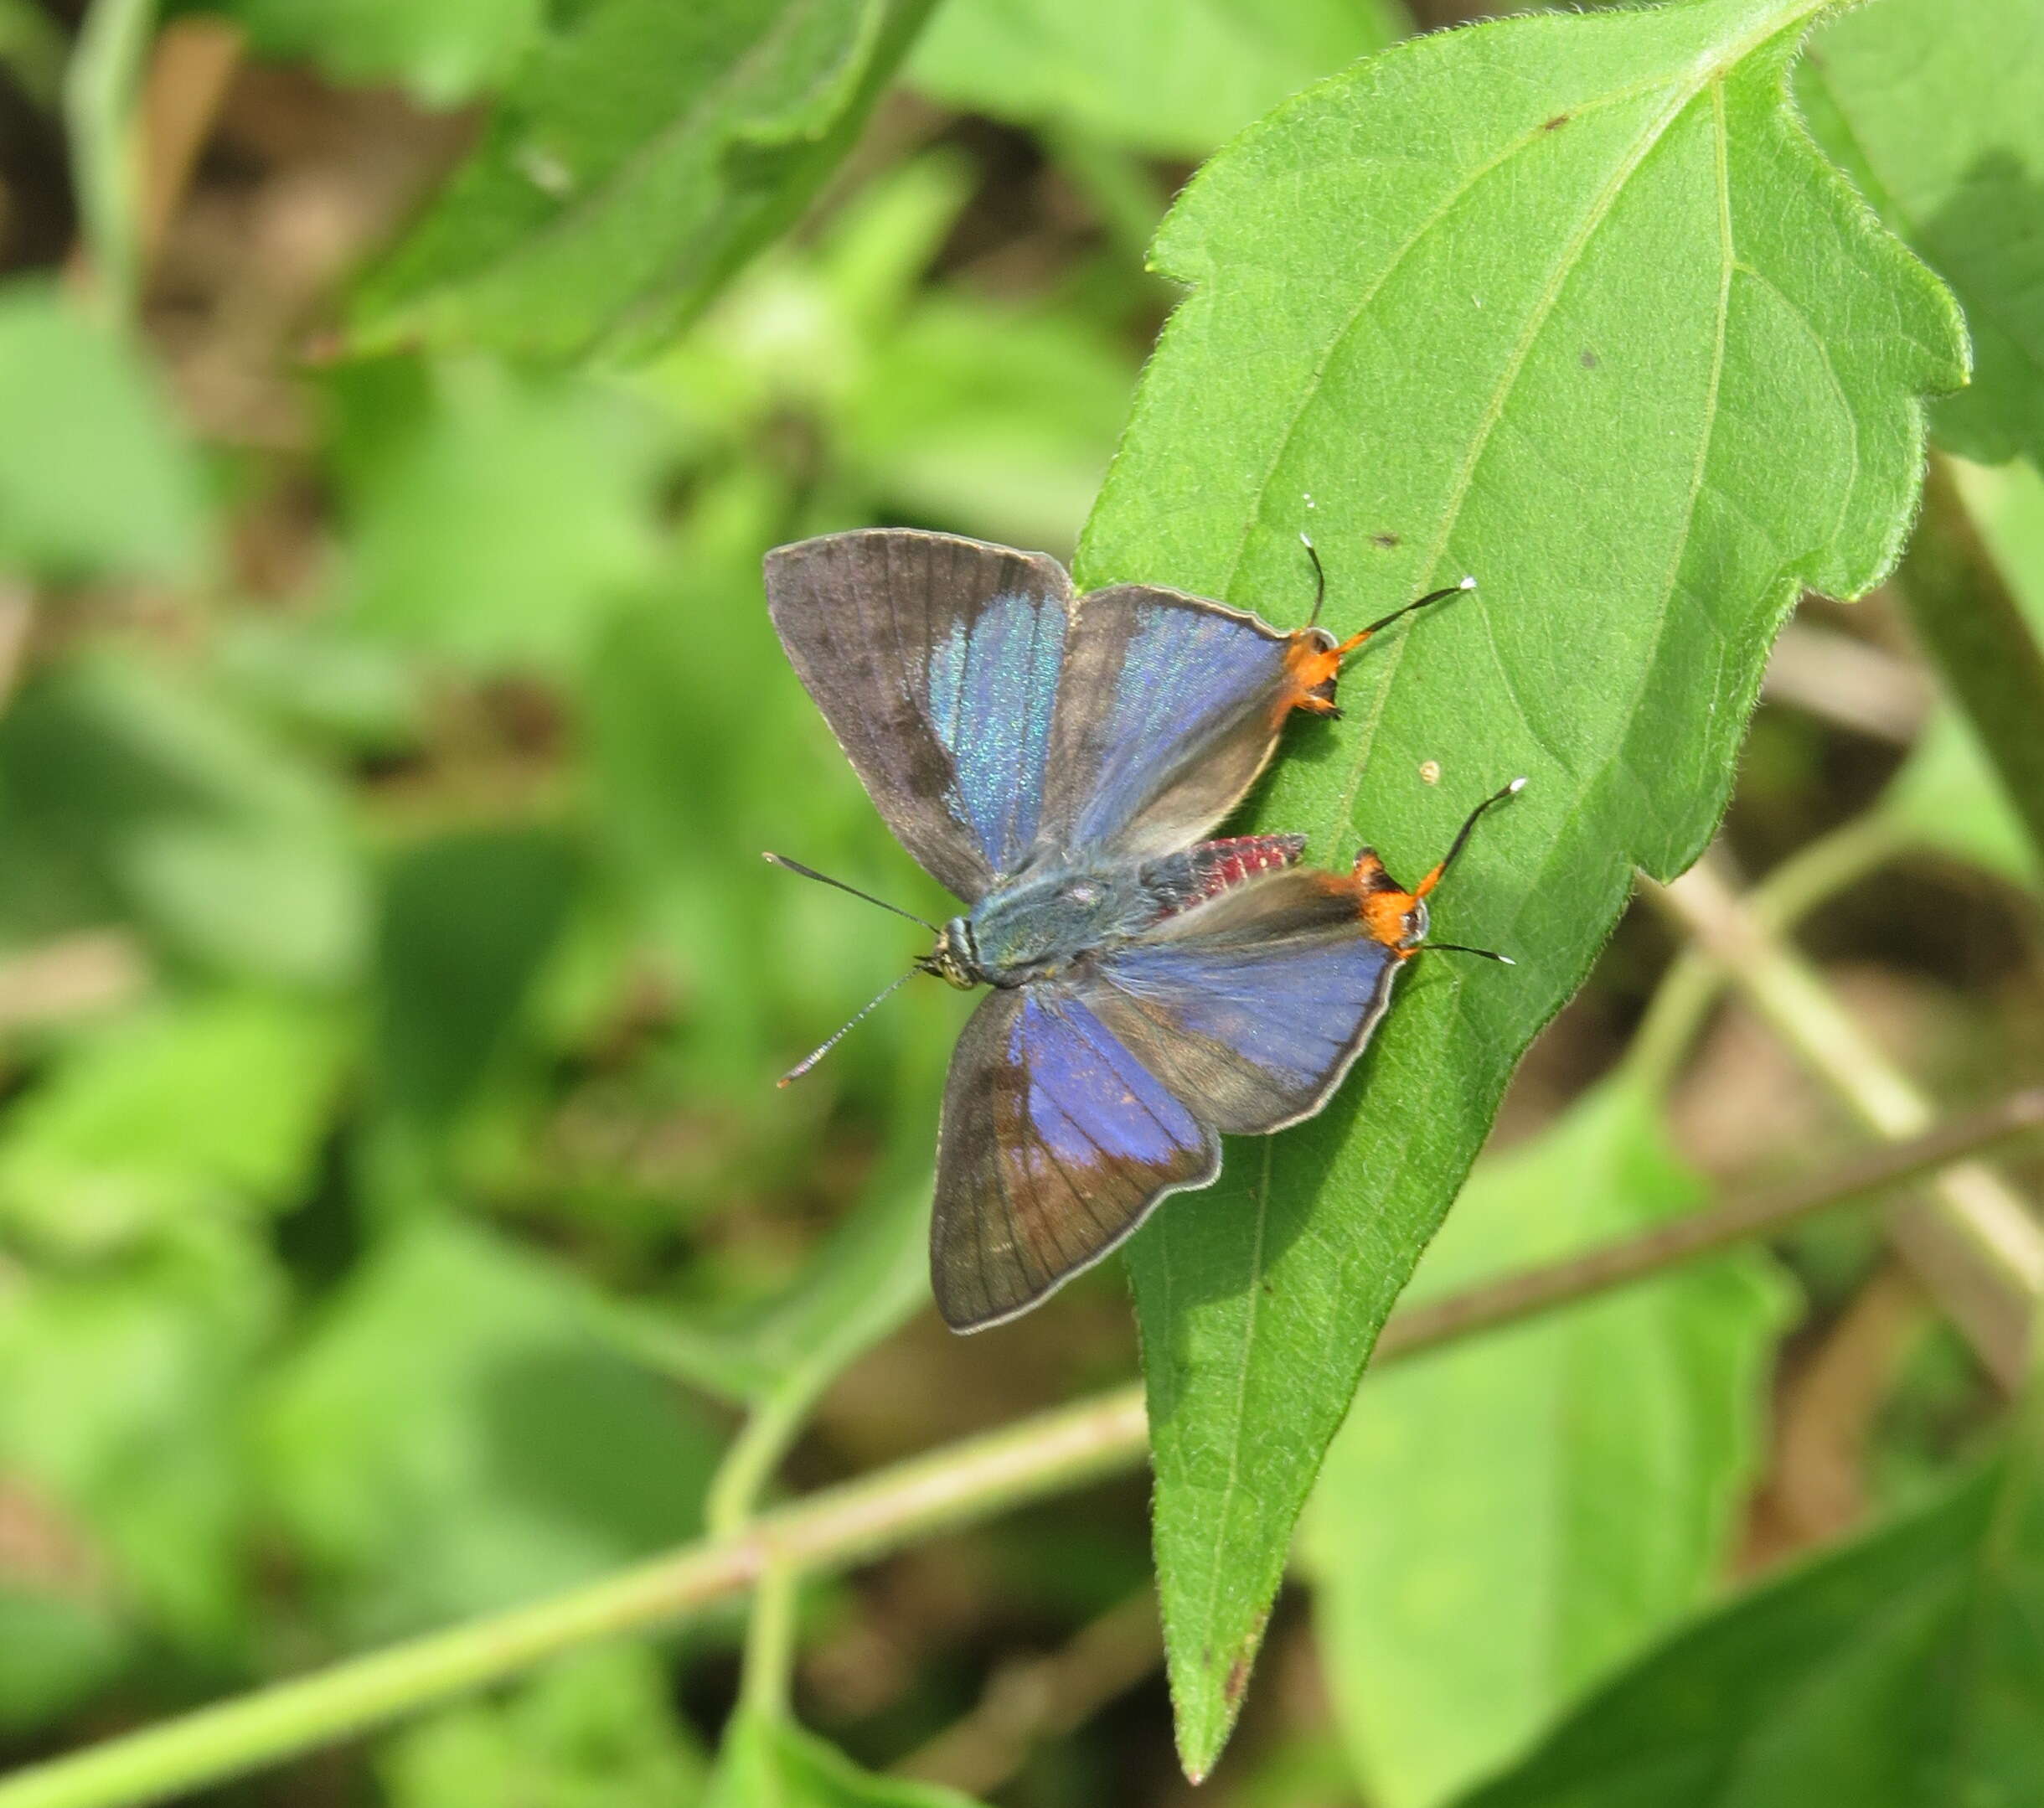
1974, 630
1830, 864
839, 1526
949, 1487
99, 111
770, 1642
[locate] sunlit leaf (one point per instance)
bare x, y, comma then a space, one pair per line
1176, 77
1569, 302
122, 1384
213, 1105
642, 152
454, 1438
94, 479
448, 52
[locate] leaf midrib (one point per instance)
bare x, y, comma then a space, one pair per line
1708, 76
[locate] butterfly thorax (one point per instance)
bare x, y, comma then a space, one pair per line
1044, 922
1041, 923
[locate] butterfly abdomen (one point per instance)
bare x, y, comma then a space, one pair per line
1179, 881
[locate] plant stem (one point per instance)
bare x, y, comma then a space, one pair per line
1792, 997
1975, 634
99, 112
1532, 1291
770, 1642
842, 1525
1828, 866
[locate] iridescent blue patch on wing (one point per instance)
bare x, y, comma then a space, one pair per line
1089, 1100
1186, 671
1292, 1009
992, 689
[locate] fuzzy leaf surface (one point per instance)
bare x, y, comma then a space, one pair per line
1572, 303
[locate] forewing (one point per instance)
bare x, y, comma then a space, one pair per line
1170, 707
935, 662
1252, 1007
1057, 1142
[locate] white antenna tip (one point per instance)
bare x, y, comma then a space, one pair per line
1468, 583
1517, 785
1305, 539
1505, 960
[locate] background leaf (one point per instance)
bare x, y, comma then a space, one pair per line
1500, 1524
1597, 257
1902, 1672
1175, 77
94, 477
768, 1762
596, 1731
643, 153
1932, 111
445, 53
453, 1438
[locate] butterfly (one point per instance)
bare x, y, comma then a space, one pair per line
1057, 762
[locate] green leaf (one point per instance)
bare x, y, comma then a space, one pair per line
94, 479
121, 1388
54, 1653
1570, 302
1160, 75
444, 54
469, 921
454, 1438
1932, 109
1900, 1672
767, 1763
494, 517
1501, 1524
643, 152
218, 1103
596, 1730
126, 791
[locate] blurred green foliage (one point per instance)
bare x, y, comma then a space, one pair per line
397, 1218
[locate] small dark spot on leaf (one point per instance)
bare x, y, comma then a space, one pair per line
1589, 358
1556, 124
1386, 541
1238, 1680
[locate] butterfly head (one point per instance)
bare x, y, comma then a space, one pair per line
954, 960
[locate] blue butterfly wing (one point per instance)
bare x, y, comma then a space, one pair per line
1056, 1143
1170, 707
936, 661
1251, 1008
